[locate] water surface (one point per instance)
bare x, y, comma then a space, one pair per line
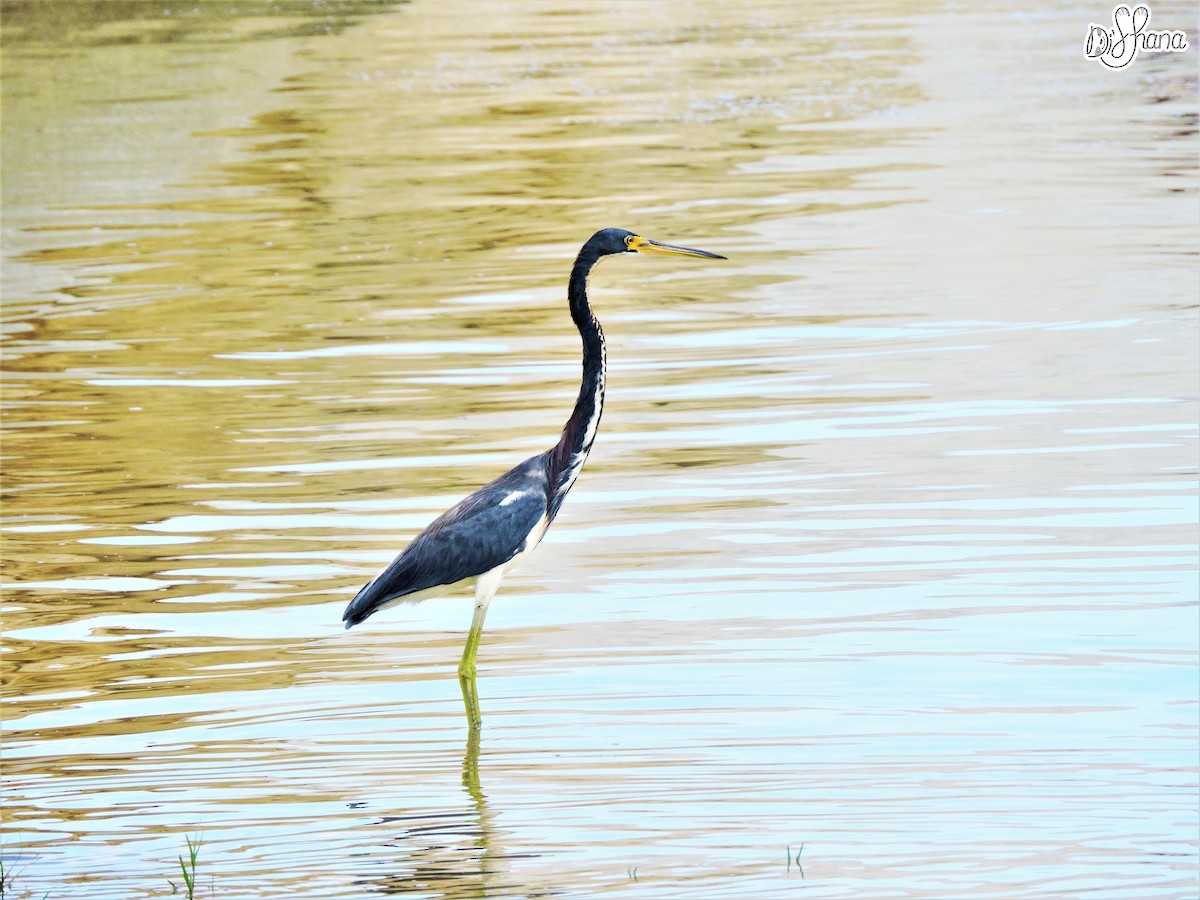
887, 548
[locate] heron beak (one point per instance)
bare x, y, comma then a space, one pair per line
645, 245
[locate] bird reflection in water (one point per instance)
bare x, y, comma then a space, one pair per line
450, 854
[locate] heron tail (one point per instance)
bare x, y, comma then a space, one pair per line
360, 608
404, 581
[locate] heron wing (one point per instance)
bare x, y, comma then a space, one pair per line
483, 531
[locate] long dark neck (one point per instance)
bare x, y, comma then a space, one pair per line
569, 454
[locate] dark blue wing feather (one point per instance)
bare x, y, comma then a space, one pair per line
483, 531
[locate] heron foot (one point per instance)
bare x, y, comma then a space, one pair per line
470, 697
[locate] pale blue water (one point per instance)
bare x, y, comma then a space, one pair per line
887, 548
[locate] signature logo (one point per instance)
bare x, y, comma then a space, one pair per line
1117, 47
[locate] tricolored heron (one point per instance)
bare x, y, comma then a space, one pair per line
489, 532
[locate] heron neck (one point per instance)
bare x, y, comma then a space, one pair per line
568, 456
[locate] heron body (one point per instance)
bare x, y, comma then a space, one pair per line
475, 542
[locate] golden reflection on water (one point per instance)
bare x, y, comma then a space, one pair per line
887, 544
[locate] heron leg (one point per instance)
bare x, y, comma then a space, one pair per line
466, 668
470, 703
485, 589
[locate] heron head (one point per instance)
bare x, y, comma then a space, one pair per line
617, 240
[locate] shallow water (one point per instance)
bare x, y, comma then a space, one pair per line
887, 548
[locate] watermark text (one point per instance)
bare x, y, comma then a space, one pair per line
1118, 46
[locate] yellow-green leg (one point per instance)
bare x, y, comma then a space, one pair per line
466, 668
470, 701
485, 589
